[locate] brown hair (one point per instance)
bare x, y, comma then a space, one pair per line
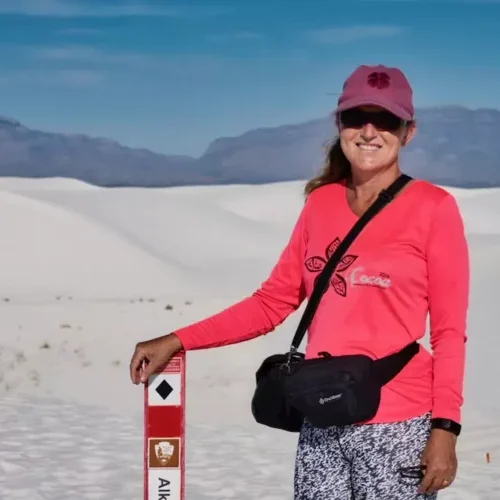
336, 168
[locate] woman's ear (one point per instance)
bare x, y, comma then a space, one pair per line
409, 133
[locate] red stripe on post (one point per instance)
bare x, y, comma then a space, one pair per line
157, 416
164, 432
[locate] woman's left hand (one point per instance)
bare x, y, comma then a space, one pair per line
440, 460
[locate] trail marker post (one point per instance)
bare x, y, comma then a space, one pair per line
164, 431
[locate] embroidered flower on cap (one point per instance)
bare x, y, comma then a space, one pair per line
379, 80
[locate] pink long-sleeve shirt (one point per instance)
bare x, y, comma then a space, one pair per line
410, 262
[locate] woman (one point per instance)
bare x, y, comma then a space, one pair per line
411, 260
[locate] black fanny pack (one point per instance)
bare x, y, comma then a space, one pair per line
328, 390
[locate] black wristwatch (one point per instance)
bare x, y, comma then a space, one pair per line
446, 425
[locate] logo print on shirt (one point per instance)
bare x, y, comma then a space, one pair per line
316, 264
359, 278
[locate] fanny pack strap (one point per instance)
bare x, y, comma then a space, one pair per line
389, 366
384, 197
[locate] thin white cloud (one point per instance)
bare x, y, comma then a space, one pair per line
349, 34
86, 8
71, 77
57, 77
93, 55
113, 62
237, 35
79, 32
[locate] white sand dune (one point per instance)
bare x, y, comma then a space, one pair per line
47, 249
87, 272
49, 184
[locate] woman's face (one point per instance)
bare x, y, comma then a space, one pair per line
372, 137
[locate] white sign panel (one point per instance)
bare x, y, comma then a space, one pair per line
164, 484
165, 389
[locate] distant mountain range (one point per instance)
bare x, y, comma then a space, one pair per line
455, 146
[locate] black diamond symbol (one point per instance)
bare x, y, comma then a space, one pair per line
164, 389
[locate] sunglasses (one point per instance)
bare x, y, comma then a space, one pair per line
382, 120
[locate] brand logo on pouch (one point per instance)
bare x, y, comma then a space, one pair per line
334, 397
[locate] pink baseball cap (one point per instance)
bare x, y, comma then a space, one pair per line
378, 85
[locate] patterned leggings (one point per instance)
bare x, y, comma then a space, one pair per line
360, 462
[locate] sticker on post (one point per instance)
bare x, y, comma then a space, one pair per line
164, 453
164, 484
164, 389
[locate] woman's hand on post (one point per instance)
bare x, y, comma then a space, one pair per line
151, 354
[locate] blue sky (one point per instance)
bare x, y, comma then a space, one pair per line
172, 77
